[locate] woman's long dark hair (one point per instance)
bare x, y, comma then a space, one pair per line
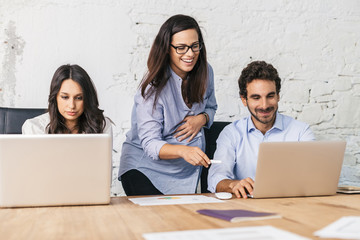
92, 120
159, 61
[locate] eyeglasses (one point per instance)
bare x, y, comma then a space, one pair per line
196, 47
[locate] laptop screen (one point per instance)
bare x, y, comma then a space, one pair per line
286, 169
55, 169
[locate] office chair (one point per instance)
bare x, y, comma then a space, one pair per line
12, 119
211, 136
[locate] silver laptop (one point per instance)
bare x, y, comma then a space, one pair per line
289, 169
55, 169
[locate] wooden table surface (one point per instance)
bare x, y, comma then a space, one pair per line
124, 220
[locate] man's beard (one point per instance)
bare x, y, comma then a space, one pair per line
266, 121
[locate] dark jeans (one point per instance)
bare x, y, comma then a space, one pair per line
136, 183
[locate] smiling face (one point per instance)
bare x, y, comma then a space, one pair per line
262, 102
70, 102
182, 64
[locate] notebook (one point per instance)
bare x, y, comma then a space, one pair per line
55, 169
237, 215
289, 169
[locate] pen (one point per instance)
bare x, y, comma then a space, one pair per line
215, 161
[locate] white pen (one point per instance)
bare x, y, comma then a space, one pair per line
215, 161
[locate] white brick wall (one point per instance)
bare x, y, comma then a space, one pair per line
313, 44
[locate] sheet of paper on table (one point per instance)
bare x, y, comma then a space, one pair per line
344, 228
174, 199
253, 233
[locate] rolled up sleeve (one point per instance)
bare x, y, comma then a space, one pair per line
150, 122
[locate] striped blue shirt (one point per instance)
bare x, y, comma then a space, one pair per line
151, 128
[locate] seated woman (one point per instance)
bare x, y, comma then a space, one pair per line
73, 106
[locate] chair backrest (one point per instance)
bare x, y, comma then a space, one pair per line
12, 119
211, 136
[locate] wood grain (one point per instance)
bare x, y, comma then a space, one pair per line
124, 220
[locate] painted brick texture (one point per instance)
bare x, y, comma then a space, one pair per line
313, 44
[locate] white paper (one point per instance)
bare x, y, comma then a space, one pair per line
253, 233
215, 161
344, 228
175, 199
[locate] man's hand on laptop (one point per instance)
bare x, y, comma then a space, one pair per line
243, 187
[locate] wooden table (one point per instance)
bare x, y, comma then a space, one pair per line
124, 220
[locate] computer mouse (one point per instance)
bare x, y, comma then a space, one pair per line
223, 195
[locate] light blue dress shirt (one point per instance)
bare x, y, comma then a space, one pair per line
238, 146
151, 128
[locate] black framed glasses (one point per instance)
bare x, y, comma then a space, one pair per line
195, 47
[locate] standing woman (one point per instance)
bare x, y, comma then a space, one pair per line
73, 106
163, 151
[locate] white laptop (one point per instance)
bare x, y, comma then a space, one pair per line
289, 169
55, 169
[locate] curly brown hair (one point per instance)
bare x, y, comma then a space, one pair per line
258, 70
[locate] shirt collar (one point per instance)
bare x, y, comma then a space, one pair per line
277, 124
173, 75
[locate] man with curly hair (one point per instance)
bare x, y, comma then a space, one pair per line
238, 143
